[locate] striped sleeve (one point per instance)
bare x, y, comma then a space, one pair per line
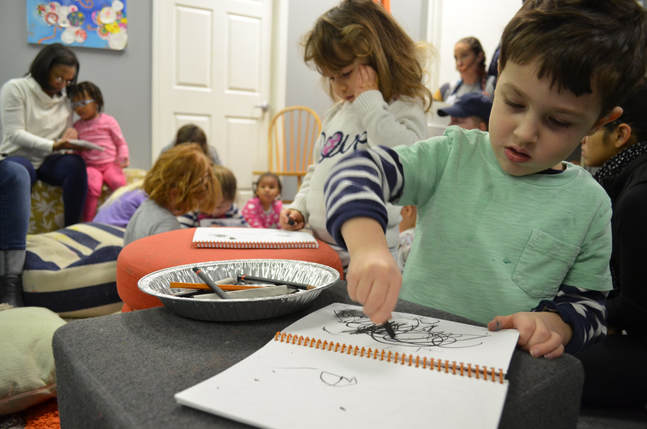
584, 310
189, 220
360, 185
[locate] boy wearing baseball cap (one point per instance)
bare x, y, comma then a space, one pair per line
470, 111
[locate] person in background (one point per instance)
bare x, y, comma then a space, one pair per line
181, 180
509, 234
191, 133
376, 79
14, 220
95, 126
470, 64
407, 234
470, 111
226, 214
264, 209
36, 121
121, 205
615, 367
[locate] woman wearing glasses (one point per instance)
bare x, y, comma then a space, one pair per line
36, 120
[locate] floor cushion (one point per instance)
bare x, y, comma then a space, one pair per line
72, 271
47, 202
27, 371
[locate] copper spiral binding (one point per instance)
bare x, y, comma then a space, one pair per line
448, 367
254, 245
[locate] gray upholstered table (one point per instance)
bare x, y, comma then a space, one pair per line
121, 371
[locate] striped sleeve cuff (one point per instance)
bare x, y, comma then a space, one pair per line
584, 310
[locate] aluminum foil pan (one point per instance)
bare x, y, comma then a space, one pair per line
158, 284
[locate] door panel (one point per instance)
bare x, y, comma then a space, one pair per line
211, 67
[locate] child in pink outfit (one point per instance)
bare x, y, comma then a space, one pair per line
103, 166
263, 210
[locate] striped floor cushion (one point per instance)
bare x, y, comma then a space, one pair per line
72, 271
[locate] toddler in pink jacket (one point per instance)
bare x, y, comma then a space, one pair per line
106, 165
264, 209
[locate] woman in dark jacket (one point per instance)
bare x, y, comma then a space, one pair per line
616, 373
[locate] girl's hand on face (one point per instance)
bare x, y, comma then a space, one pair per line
366, 79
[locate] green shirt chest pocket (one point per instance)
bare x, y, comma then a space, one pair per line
543, 265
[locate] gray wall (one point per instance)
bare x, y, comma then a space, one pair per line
124, 77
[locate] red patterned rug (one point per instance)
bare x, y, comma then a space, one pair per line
43, 416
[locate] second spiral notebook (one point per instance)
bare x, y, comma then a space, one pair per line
252, 238
335, 369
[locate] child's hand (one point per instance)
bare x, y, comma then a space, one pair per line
124, 162
291, 219
366, 79
540, 333
374, 280
70, 134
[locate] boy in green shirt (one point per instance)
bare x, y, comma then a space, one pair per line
508, 234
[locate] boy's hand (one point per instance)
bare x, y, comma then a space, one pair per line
366, 79
541, 333
373, 278
291, 219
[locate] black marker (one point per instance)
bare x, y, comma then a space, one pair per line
205, 278
389, 329
245, 277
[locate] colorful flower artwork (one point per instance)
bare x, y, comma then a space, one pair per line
87, 23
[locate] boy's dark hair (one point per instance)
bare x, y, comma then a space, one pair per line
191, 133
580, 45
88, 88
634, 113
49, 56
268, 174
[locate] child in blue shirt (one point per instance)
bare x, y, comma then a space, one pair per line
509, 234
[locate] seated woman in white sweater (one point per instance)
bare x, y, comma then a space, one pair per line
36, 120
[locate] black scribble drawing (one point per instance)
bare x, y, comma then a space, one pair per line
335, 380
326, 377
411, 332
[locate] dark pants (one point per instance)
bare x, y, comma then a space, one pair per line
615, 372
67, 171
14, 206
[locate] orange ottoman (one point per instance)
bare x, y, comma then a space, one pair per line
173, 248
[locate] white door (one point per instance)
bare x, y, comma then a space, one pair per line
211, 67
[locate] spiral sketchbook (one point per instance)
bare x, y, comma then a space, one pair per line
335, 369
252, 238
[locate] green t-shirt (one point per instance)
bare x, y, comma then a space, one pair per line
488, 243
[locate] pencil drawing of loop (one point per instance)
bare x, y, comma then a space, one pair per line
335, 380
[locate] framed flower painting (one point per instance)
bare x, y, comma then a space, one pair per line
88, 23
